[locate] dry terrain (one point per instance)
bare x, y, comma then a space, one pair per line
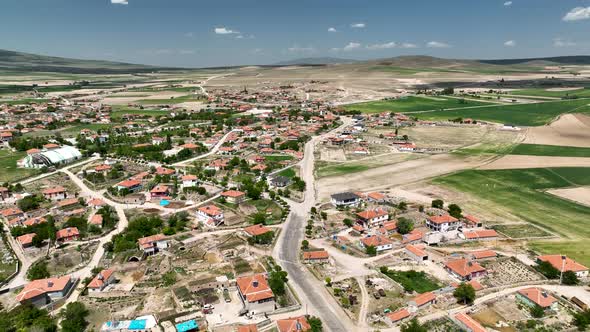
579, 194
518, 161
569, 130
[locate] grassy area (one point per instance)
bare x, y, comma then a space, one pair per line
289, 172
550, 150
24, 101
521, 193
326, 169
413, 281
536, 114
278, 158
581, 93
177, 100
118, 114
517, 231
8, 170
272, 210
412, 104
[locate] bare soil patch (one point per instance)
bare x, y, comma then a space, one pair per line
517, 162
569, 130
579, 194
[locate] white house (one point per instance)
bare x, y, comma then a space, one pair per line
210, 215
380, 243
345, 199
189, 181
442, 223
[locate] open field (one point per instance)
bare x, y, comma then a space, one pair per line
550, 150
536, 114
521, 192
580, 194
116, 115
517, 231
568, 130
557, 93
412, 104
523, 161
8, 170
331, 169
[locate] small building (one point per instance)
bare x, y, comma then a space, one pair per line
534, 296
373, 217
247, 328
416, 252
256, 230
468, 324
442, 223
376, 197
12, 213
380, 243
130, 185
255, 293
55, 194
234, 196
101, 280
160, 191
421, 301
152, 244
397, 316
26, 240
316, 256
564, 264
210, 215
483, 254
44, 291
4, 193
67, 234
415, 236
464, 269
279, 181
470, 221
345, 199
295, 324
482, 234
189, 181
96, 220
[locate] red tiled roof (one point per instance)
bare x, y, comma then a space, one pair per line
232, 193
100, 279
26, 239
470, 323
558, 263
371, 214
424, 298
316, 254
398, 315
129, 183
210, 210
148, 241
480, 234
295, 324
447, 218
538, 296
416, 250
376, 240
254, 288
67, 232
42, 286
255, 230
464, 267
483, 254
54, 190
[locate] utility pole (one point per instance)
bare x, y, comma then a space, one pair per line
563, 258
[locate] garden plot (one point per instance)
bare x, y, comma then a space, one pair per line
508, 271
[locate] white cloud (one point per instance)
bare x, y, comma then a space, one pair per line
408, 45
560, 42
225, 31
189, 35
508, 3
510, 43
332, 29
349, 47
577, 14
436, 44
119, 2
358, 25
383, 46
297, 49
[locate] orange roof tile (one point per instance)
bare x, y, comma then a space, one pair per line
558, 262
464, 267
538, 296
254, 287
470, 323
316, 254
42, 286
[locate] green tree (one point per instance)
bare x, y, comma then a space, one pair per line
315, 323
438, 203
348, 222
259, 218
548, 270
537, 311
413, 326
371, 250
74, 317
570, 278
328, 281
276, 281
464, 293
38, 271
402, 206
404, 225
455, 211
304, 244
582, 319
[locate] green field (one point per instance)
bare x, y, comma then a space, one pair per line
536, 114
520, 192
326, 169
550, 150
24, 101
8, 170
412, 104
581, 93
116, 115
289, 172
177, 100
281, 157
412, 280
517, 231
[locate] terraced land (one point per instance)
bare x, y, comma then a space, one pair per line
521, 192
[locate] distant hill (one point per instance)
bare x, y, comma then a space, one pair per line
314, 61
26, 62
558, 60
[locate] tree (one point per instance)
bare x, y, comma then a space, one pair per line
537, 311
324, 215
304, 244
38, 271
28, 203
438, 203
74, 317
455, 211
464, 293
570, 278
348, 222
402, 206
582, 319
259, 218
413, 326
276, 281
328, 281
548, 270
371, 250
404, 225
315, 323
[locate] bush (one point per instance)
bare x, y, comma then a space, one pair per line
38, 271
438, 203
464, 293
404, 225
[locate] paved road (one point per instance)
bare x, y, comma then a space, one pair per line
313, 295
212, 151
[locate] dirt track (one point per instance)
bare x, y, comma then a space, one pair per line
569, 130
517, 162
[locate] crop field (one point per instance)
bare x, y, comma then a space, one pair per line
517, 231
335, 169
550, 150
278, 158
412, 104
581, 93
116, 115
521, 192
536, 114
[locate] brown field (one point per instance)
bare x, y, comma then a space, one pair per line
569, 130
518, 161
579, 195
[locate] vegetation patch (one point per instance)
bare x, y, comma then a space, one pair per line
550, 150
517, 231
412, 104
412, 281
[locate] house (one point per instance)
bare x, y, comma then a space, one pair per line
416, 252
247, 328
483, 254
130, 185
44, 291
101, 281
68, 203
482, 234
373, 217
537, 297
421, 301
470, 221
295, 324
189, 181
26, 240
55, 194
160, 191
234, 196
156, 140
279, 181
442, 223
563, 264
152, 244
210, 215
415, 236
468, 324
376, 197
464, 269
379, 242
96, 220
96, 203
12, 213
255, 293
397, 316
4, 193
316, 256
256, 230
67, 234
164, 171
345, 199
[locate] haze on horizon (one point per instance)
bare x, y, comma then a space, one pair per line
191, 33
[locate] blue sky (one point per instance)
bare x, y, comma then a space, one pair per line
213, 33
